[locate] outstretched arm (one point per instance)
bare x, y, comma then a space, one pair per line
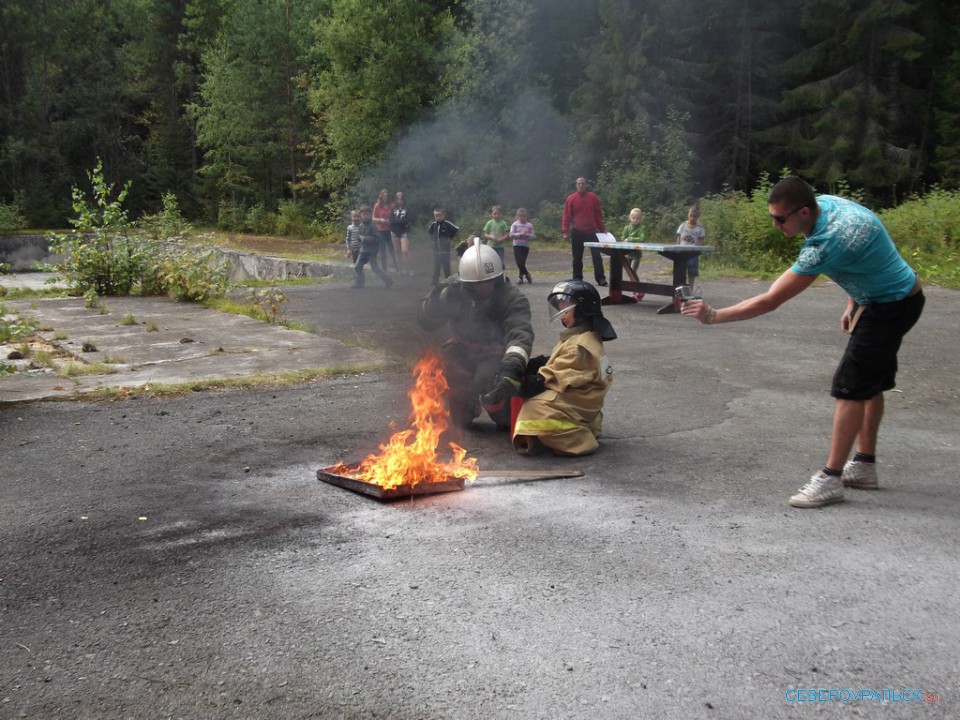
785, 287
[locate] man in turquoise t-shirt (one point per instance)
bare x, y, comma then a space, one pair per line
847, 243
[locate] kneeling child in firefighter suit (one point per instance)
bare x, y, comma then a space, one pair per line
563, 409
492, 335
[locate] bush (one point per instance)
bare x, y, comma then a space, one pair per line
738, 225
11, 218
930, 223
185, 273
230, 215
168, 223
260, 221
11, 331
103, 256
293, 219
547, 222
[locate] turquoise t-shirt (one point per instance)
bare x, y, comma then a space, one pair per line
851, 246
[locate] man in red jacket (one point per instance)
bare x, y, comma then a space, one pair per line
582, 220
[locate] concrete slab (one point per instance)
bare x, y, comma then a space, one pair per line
157, 340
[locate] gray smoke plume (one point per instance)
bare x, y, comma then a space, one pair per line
468, 159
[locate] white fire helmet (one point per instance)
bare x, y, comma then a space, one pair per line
479, 262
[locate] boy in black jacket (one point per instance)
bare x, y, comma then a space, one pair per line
370, 237
441, 232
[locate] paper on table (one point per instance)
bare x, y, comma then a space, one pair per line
606, 237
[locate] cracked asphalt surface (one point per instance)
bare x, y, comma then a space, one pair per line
176, 557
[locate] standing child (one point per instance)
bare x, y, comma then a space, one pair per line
370, 245
400, 221
634, 232
382, 209
495, 232
441, 232
690, 233
522, 233
352, 239
564, 407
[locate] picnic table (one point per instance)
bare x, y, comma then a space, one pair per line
617, 251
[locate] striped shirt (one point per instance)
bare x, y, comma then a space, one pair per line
522, 233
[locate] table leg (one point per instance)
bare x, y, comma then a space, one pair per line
616, 296
679, 278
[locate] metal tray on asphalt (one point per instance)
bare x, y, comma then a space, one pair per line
395, 493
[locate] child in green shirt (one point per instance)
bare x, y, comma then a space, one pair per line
635, 233
497, 231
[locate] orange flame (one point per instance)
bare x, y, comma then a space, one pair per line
410, 456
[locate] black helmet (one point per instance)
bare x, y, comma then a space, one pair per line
586, 303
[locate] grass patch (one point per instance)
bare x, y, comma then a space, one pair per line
128, 320
27, 293
235, 307
254, 382
152, 326
75, 369
252, 283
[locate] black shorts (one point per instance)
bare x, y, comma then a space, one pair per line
869, 364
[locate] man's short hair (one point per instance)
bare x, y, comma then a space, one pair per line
792, 191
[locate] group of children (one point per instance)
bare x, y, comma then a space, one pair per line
364, 239
497, 232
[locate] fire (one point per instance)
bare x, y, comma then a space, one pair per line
410, 456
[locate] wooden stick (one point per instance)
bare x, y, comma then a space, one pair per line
529, 474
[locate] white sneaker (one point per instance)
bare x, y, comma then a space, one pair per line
860, 475
821, 490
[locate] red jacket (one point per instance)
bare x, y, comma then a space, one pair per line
582, 212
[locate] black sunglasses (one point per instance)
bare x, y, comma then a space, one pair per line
781, 219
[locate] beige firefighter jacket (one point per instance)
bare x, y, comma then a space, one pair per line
567, 416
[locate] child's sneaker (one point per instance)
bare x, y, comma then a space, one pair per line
822, 489
860, 475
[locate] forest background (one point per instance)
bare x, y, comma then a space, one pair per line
274, 116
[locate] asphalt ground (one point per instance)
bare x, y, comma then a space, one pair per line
176, 556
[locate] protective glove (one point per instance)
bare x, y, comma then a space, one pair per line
535, 363
451, 295
507, 383
532, 384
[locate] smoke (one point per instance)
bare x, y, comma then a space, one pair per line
467, 159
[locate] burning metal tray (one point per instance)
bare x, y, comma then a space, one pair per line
396, 493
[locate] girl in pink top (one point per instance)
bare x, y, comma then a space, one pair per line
381, 220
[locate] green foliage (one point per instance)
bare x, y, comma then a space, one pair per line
168, 223
293, 219
253, 118
104, 257
738, 225
185, 273
260, 221
11, 218
12, 330
930, 223
101, 255
380, 65
650, 170
548, 222
268, 301
927, 231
